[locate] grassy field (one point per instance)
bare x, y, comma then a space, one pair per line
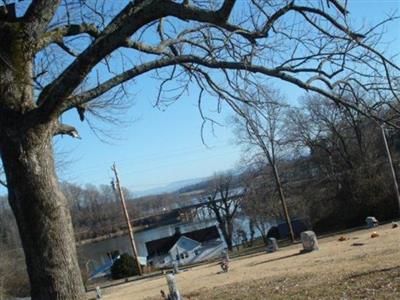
360, 267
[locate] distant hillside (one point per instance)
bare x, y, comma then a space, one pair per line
206, 182
195, 187
177, 186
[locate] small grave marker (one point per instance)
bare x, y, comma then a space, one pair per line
309, 241
98, 293
272, 245
173, 290
371, 222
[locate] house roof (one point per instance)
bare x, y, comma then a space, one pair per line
163, 245
184, 244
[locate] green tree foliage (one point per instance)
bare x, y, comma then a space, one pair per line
123, 267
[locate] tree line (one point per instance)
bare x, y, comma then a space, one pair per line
65, 56
320, 162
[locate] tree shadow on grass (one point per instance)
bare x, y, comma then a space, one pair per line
276, 259
373, 272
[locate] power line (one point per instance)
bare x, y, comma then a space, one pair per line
157, 167
152, 157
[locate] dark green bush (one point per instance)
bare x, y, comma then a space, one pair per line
123, 267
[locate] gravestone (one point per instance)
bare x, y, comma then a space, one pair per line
309, 241
98, 293
272, 245
173, 290
371, 222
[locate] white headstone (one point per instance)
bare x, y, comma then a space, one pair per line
309, 241
272, 245
173, 290
98, 293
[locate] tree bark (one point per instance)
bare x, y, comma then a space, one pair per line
226, 235
42, 215
229, 227
40, 209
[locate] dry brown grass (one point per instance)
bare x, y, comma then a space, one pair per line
339, 270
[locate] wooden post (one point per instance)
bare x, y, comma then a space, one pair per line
173, 290
389, 156
130, 231
283, 202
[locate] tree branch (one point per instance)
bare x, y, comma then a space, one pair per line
3, 183
66, 129
56, 97
219, 17
212, 64
121, 78
339, 7
39, 14
56, 35
129, 20
149, 49
67, 49
225, 11
303, 9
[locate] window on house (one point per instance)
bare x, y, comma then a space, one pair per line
177, 257
182, 256
186, 254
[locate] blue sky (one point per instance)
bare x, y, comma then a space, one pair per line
155, 149
160, 147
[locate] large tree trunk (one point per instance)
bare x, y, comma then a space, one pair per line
34, 194
42, 216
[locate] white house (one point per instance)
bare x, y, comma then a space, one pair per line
184, 249
188, 251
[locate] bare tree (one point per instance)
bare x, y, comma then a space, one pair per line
95, 210
60, 55
262, 205
224, 201
262, 127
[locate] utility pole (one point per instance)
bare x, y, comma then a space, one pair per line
389, 156
283, 202
130, 232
